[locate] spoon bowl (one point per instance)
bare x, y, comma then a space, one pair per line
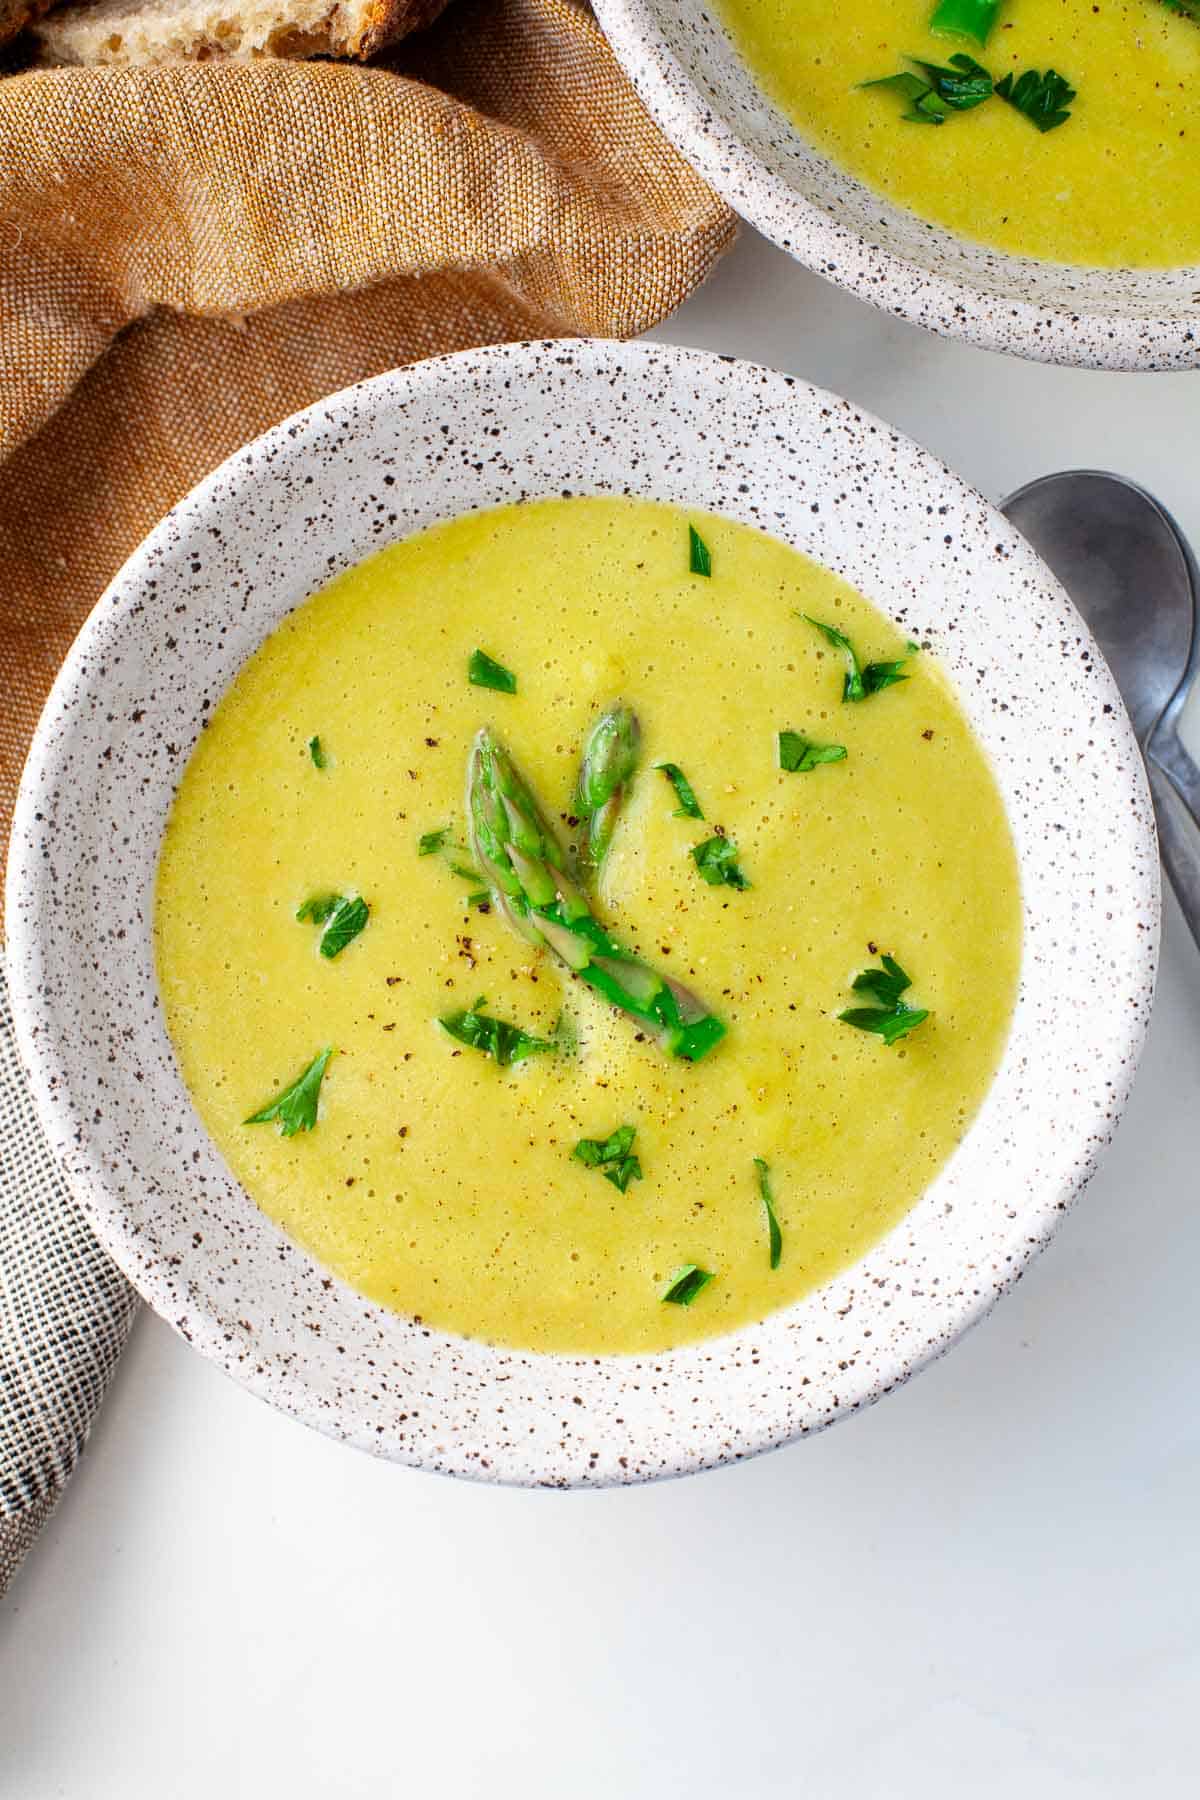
1125, 563
1131, 573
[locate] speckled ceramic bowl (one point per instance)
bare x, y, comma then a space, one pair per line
694, 83
362, 470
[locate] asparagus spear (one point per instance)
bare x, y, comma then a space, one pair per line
609, 759
524, 866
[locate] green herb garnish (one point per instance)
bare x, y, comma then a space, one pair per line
922, 104
859, 683
699, 555
296, 1106
689, 806
972, 19
343, 919
347, 919
774, 1235
484, 671
1043, 99
431, 842
798, 756
318, 908
1187, 9
316, 752
962, 84
612, 1156
716, 859
890, 1019
685, 1284
504, 1043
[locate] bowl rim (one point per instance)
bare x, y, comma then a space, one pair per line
29, 916
1041, 332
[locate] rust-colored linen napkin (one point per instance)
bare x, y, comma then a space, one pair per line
188, 253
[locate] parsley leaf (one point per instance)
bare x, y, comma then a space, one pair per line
347, 919
774, 1235
316, 752
612, 1156
924, 106
798, 756
685, 1284
699, 555
484, 671
885, 984
343, 919
296, 1107
1187, 9
880, 675
318, 907
859, 683
716, 859
1044, 99
689, 806
892, 1018
962, 85
494, 1037
965, 18
431, 842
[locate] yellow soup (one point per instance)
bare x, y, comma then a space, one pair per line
443, 1184
1116, 185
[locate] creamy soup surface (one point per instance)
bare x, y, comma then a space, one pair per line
1116, 185
444, 1185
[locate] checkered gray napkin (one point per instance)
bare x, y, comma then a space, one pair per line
65, 1313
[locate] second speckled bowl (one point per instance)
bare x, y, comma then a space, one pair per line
364, 469
696, 86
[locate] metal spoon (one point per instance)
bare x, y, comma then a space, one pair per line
1129, 570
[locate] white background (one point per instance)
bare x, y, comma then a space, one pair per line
987, 1586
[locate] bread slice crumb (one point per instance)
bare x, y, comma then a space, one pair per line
124, 32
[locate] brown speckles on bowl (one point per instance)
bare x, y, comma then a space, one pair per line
271, 526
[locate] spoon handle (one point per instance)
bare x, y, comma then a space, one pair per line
1178, 842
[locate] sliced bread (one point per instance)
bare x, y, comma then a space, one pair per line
16, 14
153, 31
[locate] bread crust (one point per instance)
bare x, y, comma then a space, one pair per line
15, 15
385, 22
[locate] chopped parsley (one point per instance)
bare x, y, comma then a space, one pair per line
347, 919
891, 1018
296, 1107
316, 752
941, 89
431, 842
342, 918
504, 1043
716, 859
612, 1155
960, 85
685, 1284
689, 806
859, 683
318, 907
922, 105
774, 1235
1187, 9
798, 756
1044, 99
699, 555
972, 19
484, 671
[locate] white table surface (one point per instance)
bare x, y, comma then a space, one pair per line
986, 1586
